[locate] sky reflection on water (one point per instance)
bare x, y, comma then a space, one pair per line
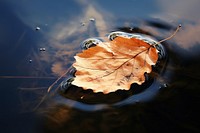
63, 26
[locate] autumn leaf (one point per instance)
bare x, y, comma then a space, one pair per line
114, 65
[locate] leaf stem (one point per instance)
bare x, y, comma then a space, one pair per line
177, 29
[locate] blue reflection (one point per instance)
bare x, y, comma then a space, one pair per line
64, 24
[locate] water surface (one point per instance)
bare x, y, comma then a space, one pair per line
27, 69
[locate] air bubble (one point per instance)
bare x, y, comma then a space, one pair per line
82, 23
42, 49
165, 85
91, 42
37, 28
92, 19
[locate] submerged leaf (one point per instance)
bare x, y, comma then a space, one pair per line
114, 65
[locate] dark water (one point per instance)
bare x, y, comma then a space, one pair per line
38, 42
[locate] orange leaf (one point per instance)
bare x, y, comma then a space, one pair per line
114, 65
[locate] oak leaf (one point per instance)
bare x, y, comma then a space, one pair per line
114, 65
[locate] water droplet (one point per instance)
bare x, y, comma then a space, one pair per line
91, 42
165, 85
42, 49
92, 19
82, 23
37, 28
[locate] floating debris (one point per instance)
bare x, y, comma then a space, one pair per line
37, 28
30, 61
42, 49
